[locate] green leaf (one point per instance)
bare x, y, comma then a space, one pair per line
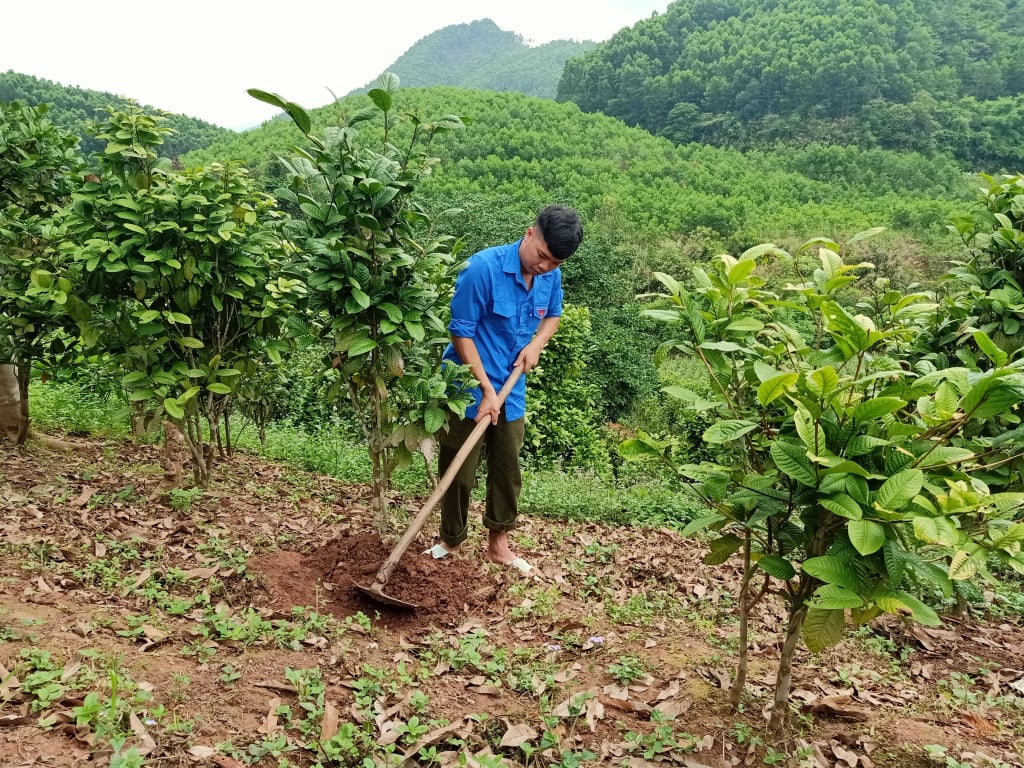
700, 523
843, 505
898, 490
935, 530
863, 444
867, 536
361, 347
187, 395
792, 460
775, 387
722, 549
810, 432
987, 346
190, 343
297, 114
906, 605
433, 419
740, 271
745, 325
635, 448
877, 407
964, 565
823, 628
219, 388
381, 99
833, 597
777, 566
824, 381
727, 430
832, 570
174, 410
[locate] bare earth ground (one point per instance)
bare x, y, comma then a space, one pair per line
170, 626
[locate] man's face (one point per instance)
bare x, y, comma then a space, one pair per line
534, 256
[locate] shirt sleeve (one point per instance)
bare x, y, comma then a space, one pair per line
555, 301
470, 299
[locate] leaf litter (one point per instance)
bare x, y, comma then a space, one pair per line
86, 550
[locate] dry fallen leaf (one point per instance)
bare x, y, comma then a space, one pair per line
329, 724
845, 756
147, 744
517, 735
839, 706
270, 721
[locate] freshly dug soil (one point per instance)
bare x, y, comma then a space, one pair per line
444, 591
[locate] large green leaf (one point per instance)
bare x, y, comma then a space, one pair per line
295, 112
903, 604
776, 566
722, 549
863, 444
638, 448
792, 460
823, 382
877, 407
935, 530
898, 490
433, 419
995, 355
729, 429
832, 570
842, 505
701, 523
823, 628
834, 597
867, 536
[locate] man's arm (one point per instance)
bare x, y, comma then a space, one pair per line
530, 354
489, 407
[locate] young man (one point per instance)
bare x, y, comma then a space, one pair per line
507, 305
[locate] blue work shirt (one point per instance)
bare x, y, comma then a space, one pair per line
493, 307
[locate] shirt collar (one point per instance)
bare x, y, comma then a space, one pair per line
510, 262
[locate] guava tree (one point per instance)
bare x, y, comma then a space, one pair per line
378, 278
181, 271
849, 470
37, 165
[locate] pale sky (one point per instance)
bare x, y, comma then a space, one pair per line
198, 57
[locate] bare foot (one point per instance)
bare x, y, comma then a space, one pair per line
498, 549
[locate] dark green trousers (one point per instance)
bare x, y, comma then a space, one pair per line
500, 446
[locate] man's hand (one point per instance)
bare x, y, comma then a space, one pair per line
489, 408
528, 356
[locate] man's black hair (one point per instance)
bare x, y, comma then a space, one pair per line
560, 227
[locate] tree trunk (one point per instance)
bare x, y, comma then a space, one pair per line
11, 412
24, 377
172, 460
736, 692
784, 677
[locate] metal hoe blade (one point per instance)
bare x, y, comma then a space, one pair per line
382, 597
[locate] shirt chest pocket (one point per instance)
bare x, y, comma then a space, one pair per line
540, 298
506, 313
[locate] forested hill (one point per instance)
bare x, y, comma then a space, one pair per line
527, 151
481, 55
924, 75
72, 107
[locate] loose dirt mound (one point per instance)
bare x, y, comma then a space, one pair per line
443, 590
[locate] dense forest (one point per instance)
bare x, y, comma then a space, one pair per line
915, 75
480, 55
72, 108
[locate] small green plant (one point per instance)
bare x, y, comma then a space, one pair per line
628, 669
229, 675
182, 499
